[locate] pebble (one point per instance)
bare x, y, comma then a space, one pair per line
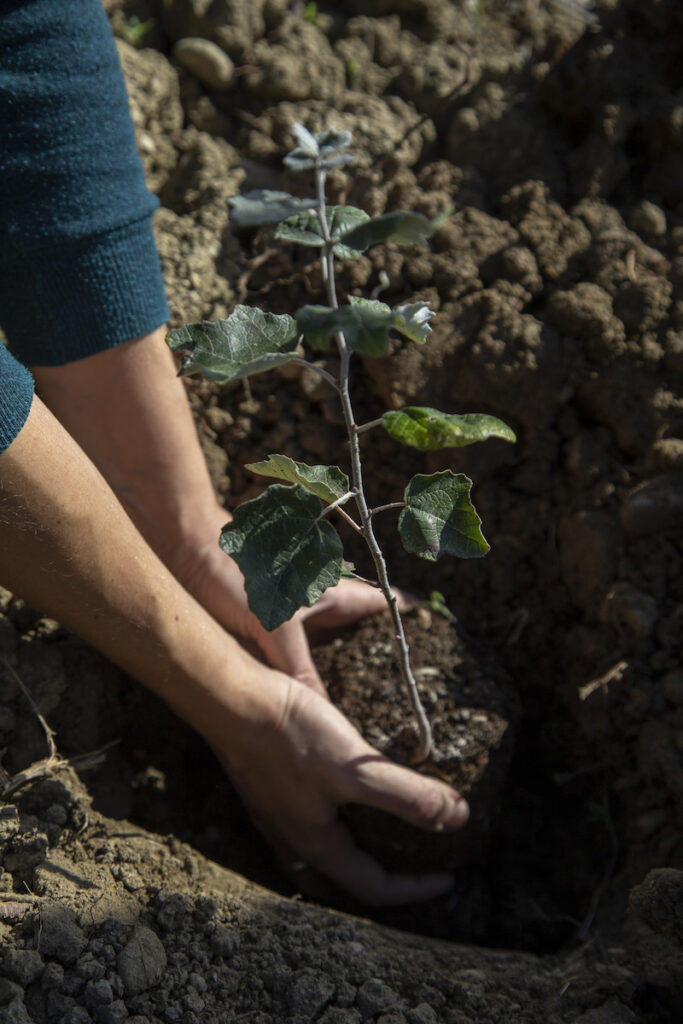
224, 941
648, 219
308, 993
61, 936
422, 1014
23, 965
375, 997
142, 961
654, 505
206, 61
337, 1015
9, 990
97, 993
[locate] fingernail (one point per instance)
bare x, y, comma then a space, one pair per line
457, 816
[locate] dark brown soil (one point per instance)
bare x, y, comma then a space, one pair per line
559, 288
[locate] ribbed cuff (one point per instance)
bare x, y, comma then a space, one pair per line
72, 300
16, 397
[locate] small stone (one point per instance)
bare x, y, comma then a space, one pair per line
206, 61
9, 821
197, 982
9, 990
114, 1013
76, 1015
375, 997
648, 219
56, 814
337, 1015
52, 976
308, 993
666, 454
15, 1013
142, 961
23, 965
61, 936
224, 941
422, 1014
654, 505
629, 609
97, 993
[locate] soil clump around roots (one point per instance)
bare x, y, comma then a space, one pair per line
136, 889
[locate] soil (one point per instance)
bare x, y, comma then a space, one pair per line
137, 888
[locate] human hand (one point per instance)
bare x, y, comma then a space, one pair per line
215, 580
300, 762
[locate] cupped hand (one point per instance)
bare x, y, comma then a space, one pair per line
214, 579
301, 763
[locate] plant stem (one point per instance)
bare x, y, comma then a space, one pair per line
335, 504
318, 369
425, 740
369, 425
388, 507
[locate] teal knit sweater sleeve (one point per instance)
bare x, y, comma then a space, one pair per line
79, 270
16, 396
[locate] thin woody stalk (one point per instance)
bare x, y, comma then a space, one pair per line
425, 739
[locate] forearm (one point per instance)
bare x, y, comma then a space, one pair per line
68, 547
128, 410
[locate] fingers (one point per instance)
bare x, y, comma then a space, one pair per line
333, 854
349, 602
418, 799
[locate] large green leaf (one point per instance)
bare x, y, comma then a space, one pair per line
287, 554
365, 324
326, 482
249, 341
405, 227
439, 518
428, 429
264, 206
304, 228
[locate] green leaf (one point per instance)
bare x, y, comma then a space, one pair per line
365, 324
372, 322
306, 141
319, 323
428, 429
348, 571
304, 228
248, 342
288, 556
326, 482
406, 228
264, 206
412, 321
439, 518
331, 141
304, 156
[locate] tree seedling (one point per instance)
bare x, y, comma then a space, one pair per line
283, 541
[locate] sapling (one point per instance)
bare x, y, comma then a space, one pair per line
283, 541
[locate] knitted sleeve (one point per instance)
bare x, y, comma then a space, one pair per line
16, 396
79, 270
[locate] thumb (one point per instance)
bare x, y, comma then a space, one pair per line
418, 799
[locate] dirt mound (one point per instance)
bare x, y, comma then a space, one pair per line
558, 282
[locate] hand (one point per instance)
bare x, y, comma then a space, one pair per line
297, 768
214, 579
